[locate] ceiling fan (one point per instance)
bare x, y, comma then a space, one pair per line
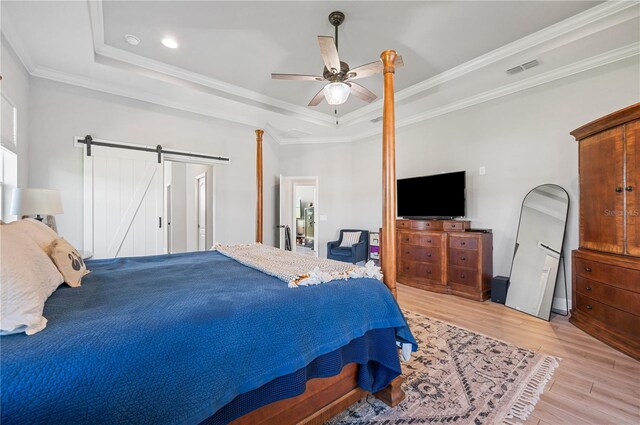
338, 73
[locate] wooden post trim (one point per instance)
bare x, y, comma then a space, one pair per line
388, 237
259, 185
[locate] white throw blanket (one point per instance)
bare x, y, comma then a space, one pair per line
296, 269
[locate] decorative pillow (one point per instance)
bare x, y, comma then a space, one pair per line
349, 239
69, 262
28, 279
39, 232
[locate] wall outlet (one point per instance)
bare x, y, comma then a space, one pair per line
323, 217
483, 171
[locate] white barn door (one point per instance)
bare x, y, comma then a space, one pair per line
123, 203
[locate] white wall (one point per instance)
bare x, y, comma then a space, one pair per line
523, 140
58, 112
332, 164
15, 86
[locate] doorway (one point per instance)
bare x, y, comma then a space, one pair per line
299, 227
189, 206
201, 211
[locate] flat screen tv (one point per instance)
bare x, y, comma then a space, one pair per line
436, 196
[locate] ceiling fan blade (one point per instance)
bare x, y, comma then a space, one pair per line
329, 53
371, 69
362, 92
365, 70
300, 77
317, 98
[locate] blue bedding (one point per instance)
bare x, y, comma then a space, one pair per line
171, 339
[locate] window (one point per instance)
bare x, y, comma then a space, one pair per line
8, 155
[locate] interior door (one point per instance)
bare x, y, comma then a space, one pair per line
123, 203
632, 187
202, 213
168, 216
602, 192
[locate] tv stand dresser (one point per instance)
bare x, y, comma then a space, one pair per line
444, 256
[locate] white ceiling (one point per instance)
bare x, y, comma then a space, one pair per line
241, 43
455, 53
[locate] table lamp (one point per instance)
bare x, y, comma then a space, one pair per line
41, 203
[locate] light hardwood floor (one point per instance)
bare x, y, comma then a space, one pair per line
594, 384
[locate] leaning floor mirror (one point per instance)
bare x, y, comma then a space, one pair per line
538, 250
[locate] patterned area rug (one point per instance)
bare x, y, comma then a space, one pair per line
460, 377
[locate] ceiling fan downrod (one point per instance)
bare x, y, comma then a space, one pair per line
336, 18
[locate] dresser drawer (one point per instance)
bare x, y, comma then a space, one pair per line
428, 239
455, 225
463, 257
420, 270
416, 253
463, 276
610, 316
403, 224
619, 277
609, 295
426, 224
459, 242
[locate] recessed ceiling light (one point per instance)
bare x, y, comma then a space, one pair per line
170, 43
132, 39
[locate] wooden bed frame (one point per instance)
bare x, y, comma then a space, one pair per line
326, 397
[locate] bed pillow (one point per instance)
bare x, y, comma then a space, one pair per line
28, 279
69, 261
39, 232
349, 239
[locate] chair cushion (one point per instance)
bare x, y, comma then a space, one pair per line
341, 252
349, 239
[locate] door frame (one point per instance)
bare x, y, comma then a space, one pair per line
292, 183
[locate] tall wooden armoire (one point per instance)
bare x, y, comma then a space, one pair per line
606, 267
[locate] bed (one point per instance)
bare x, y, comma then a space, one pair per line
140, 343
200, 338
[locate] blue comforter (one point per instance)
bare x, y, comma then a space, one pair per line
173, 338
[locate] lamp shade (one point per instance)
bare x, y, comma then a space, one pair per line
36, 202
336, 93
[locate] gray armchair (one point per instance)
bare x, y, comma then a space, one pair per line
358, 252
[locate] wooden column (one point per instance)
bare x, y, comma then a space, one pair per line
259, 201
388, 236
392, 395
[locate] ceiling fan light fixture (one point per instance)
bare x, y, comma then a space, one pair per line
336, 93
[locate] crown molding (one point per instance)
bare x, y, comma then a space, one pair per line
91, 84
590, 21
315, 140
547, 77
224, 89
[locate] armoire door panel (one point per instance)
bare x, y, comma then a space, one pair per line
602, 191
632, 187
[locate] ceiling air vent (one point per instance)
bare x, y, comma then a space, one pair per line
378, 119
523, 67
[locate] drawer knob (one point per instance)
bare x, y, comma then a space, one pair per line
429, 241
462, 243
463, 258
429, 255
589, 307
406, 239
629, 188
453, 226
618, 190
588, 288
428, 271
587, 269
462, 276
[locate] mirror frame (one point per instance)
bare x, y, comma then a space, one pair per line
560, 260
